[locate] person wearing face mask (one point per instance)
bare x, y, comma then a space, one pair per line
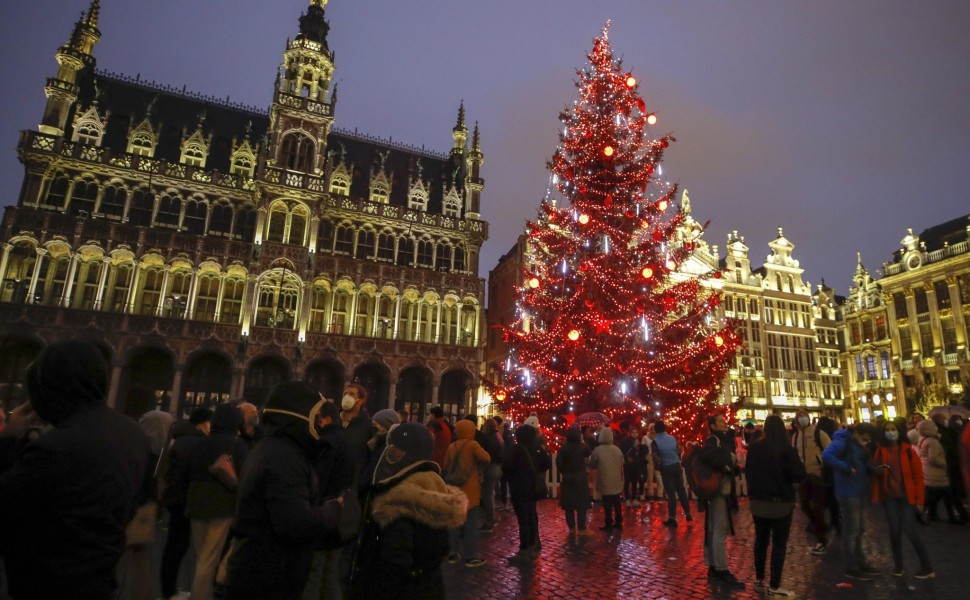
358, 430
809, 443
280, 514
408, 511
897, 484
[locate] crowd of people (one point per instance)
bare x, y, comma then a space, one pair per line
308, 497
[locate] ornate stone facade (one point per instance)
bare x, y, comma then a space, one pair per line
213, 250
906, 333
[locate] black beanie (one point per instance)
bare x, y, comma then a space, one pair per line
227, 417
293, 406
65, 377
414, 438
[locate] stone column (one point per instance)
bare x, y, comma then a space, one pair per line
189, 311
397, 316
132, 288
32, 290
4, 259
163, 292
102, 279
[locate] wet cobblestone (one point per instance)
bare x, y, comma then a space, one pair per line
647, 560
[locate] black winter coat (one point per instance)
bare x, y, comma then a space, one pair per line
278, 519
65, 502
519, 472
571, 462
405, 536
771, 476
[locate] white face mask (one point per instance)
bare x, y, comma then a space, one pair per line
892, 436
803, 421
348, 402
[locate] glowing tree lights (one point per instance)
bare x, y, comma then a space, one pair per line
607, 320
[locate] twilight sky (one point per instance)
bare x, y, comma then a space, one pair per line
842, 122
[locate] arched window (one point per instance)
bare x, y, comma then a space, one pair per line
206, 297
232, 298
82, 198
385, 247
344, 243
405, 252
242, 164
325, 237
169, 207
57, 192
113, 201
220, 221
245, 228
365, 244
425, 253
443, 258
142, 203
88, 132
296, 153
459, 259
194, 221
298, 223
194, 155
277, 223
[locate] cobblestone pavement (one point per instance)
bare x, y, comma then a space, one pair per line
648, 560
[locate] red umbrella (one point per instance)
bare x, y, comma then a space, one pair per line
591, 419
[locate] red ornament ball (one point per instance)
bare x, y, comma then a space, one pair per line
717, 275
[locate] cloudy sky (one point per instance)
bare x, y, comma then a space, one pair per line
844, 122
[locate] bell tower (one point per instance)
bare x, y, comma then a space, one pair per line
302, 111
72, 58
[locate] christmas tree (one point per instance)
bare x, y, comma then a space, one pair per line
608, 319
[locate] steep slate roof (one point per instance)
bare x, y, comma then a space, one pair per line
128, 100
949, 232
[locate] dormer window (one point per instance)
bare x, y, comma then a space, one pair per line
193, 156
379, 193
88, 133
89, 127
452, 205
340, 184
242, 164
142, 144
418, 200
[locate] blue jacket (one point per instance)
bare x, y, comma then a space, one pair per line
667, 449
844, 454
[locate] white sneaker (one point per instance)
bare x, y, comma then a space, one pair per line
779, 593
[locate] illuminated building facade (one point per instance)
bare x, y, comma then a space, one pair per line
213, 250
906, 333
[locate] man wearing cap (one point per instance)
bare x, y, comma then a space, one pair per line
280, 514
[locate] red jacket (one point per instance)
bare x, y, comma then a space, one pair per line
912, 471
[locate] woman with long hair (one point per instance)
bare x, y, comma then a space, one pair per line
898, 486
773, 471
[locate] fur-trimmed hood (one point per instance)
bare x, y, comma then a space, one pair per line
421, 495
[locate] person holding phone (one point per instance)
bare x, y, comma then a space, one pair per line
897, 484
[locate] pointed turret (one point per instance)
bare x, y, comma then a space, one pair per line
72, 57
474, 184
460, 131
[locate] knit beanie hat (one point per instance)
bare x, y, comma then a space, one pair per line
414, 439
532, 421
387, 417
200, 415
227, 417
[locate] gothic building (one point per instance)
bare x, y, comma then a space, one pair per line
906, 333
213, 250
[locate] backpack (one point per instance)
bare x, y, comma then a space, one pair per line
456, 473
703, 480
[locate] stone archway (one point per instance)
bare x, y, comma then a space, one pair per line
414, 388
207, 381
148, 377
376, 380
262, 375
327, 377
453, 393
